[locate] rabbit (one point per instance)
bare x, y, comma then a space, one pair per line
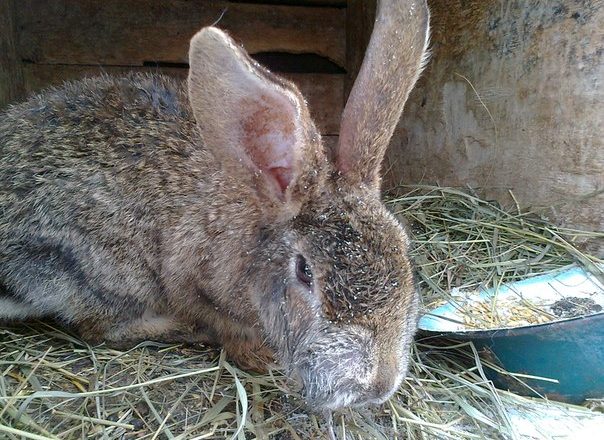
207, 211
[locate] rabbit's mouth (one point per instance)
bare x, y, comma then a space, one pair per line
330, 382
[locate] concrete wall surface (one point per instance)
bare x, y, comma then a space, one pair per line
511, 100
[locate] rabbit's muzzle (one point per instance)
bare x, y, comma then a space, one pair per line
348, 371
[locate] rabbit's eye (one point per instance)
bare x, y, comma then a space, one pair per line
303, 270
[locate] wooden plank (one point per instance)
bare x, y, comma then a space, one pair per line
11, 79
324, 92
339, 3
360, 16
115, 32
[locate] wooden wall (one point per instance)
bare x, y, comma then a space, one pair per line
44, 43
511, 100
11, 75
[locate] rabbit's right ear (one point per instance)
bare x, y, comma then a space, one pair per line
256, 124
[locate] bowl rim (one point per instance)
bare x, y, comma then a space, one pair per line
501, 332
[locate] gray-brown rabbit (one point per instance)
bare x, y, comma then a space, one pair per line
143, 208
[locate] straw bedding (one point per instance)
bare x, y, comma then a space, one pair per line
52, 385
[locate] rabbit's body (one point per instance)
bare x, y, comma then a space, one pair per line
120, 227
143, 208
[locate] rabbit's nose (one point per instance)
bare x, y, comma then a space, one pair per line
386, 381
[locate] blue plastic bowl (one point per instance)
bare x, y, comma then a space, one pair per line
569, 351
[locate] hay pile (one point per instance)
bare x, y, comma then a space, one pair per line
53, 385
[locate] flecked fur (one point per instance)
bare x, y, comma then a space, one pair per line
128, 215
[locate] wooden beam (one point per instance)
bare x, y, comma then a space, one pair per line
11, 79
115, 32
324, 92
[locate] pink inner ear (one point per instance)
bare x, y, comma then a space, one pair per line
268, 137
283, 176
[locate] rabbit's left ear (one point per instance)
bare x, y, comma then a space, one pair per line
395, 57
256, 124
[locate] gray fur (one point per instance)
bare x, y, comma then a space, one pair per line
127, 215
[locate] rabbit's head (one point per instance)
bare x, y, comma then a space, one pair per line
329, 277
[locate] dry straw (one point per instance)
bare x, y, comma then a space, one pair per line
54, 386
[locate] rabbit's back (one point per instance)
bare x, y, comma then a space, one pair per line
125, 128
92, 174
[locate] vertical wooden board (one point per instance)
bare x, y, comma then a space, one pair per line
330, 142
114, 32
11, 80
325, 96
360, 15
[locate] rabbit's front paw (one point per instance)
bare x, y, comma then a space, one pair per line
250, 355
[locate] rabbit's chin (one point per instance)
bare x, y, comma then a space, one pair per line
349, 392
